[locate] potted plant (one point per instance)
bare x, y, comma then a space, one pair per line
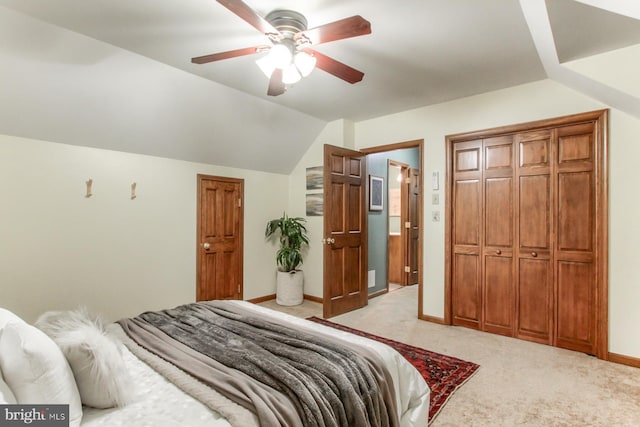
293, 237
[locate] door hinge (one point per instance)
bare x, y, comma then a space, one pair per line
238, 289
239, 203
407, 224
407, 269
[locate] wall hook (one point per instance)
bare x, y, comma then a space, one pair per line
89, 185
133, 191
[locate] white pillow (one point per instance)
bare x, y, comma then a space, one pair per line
36, 371
6, 316
95, 357
6, 395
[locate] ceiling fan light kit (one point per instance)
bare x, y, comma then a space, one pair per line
290, 58
305, 63
280, 55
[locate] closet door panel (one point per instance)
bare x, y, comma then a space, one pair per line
466, 292
534, 282
534, 150
498, 295
467, 212
534, 229
576, 238
535, 303
575, 300
466, 234
575, 144
498, 153
575, 212
499, 212
467, 157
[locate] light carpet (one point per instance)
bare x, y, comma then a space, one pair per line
520, 383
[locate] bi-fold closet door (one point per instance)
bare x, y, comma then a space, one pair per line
523, 235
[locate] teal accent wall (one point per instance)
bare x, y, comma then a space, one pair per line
378, 232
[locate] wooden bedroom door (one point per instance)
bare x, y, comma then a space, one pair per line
220, 230
345, 228
413, 229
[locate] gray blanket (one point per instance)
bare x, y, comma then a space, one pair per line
302, 378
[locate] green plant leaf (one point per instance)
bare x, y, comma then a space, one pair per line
292, 237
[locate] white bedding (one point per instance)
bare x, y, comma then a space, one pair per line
160, 403
157, 403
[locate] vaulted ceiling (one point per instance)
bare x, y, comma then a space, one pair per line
420, 52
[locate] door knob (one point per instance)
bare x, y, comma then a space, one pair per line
498, 251
534, 254
330, 240
206, 246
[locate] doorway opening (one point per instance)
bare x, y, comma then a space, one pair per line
354, 205
395, 233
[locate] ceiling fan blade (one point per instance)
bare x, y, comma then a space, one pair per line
276, 87
249, 15
338, 30
229, 54
337, 68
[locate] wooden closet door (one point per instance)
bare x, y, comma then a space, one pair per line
547, 281
466, 234
498, 295
575, 238
534, 270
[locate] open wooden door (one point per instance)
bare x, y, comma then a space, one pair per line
345, 228
412, 227
220, 229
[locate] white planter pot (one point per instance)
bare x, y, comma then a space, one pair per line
290, 288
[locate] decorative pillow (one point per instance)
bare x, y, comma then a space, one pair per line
36, 371
6, 316
95, 357
6, 395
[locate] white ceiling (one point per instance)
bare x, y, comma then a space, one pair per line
420, 52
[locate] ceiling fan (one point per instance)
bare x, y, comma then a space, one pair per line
290, 54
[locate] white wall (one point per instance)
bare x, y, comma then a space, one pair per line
519, 104
118, 256
339, 133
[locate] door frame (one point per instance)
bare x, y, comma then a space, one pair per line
419, 144
601, 119
199, 257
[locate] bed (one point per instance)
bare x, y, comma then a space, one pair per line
163, 395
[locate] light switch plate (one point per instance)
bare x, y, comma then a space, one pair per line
435, 199
435, 216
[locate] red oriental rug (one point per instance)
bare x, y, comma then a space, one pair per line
444, 374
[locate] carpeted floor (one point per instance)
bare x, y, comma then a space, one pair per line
519, 383
444, 374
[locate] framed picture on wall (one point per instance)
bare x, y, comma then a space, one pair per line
376, 193
315, 204
315, 177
